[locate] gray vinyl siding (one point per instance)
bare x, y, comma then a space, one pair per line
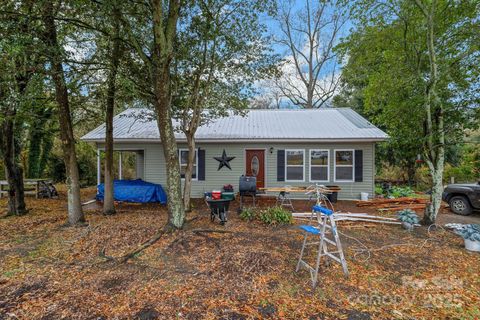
154, 166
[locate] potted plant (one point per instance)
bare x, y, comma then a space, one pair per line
409, 218
470, 234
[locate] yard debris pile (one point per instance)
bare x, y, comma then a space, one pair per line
416, 204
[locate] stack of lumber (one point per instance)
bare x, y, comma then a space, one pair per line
416, 204
284, 189
333, 188
348, 216
301, 189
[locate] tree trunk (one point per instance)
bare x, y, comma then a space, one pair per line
187, 187
176, 209
309, 104
14, 173
108, 201
431, 211
164, 31
55, 53
435, 134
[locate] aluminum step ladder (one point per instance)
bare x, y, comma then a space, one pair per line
326, 227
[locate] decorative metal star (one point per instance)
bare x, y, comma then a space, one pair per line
224, 161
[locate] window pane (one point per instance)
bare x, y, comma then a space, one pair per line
194, 172
182, 171
183, 157
295, 158
294, 173
183, 168
255, 165
319, 173
344, 173
344, 157
184, 161
319, 158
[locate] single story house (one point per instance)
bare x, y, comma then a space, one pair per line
330, 146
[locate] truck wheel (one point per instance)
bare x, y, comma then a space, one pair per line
460, 205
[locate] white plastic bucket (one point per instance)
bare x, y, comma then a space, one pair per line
472, 245
364, 196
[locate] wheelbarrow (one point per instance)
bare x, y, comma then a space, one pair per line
218, 209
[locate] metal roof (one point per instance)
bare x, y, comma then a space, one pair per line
327, 124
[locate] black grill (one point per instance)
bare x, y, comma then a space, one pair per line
247, 185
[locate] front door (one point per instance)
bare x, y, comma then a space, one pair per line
255, 166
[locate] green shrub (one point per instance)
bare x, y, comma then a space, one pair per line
276, 215
247, 214
399, 192
395, 191
56, 168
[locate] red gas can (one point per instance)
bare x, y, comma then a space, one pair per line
216, 195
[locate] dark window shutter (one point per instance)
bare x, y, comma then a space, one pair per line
280, 165
201, 164
358, 165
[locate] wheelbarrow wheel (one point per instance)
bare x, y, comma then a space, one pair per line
223, 218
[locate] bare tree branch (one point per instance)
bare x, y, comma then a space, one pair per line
309, 79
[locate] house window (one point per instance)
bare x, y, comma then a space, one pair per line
294, 164
319, 165
344, 160
183, 158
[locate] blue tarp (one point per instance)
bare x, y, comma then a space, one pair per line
134, 191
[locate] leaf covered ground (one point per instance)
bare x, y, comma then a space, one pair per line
48, 271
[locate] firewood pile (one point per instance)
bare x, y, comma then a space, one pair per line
416, 204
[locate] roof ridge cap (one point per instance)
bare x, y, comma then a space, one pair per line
301, 109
